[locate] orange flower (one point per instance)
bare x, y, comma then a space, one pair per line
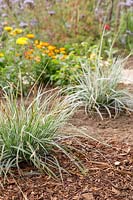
51, 48
39, 46
30, 36
28, 53
44, 44
51, 54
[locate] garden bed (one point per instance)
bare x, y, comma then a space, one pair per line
71, 135
109, 169
108, 161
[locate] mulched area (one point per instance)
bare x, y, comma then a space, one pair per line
118, 129
108, 175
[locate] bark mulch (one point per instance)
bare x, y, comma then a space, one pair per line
108, 175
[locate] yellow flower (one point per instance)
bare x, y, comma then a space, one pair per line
8, 28
50, 54
30, 36
1, 54
57, 50
16, 31
54, 57
62, 49
36, 42
51, 48
63, 52
22, 41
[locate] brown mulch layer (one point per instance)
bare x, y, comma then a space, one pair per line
108, 175
129, 63
118, 129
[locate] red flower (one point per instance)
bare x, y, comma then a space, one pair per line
107, 27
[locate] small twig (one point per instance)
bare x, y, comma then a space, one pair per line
119, 188
24, 196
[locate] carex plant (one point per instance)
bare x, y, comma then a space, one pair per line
30, 130
98, 89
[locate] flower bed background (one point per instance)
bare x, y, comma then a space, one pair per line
45, 41
25, 58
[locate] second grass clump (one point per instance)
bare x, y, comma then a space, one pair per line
99, 90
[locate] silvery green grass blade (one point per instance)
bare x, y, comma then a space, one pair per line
30, 133
98, 90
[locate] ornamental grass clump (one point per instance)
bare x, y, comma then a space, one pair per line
30, 132
99, 90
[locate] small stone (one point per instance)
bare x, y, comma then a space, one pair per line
117, 163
